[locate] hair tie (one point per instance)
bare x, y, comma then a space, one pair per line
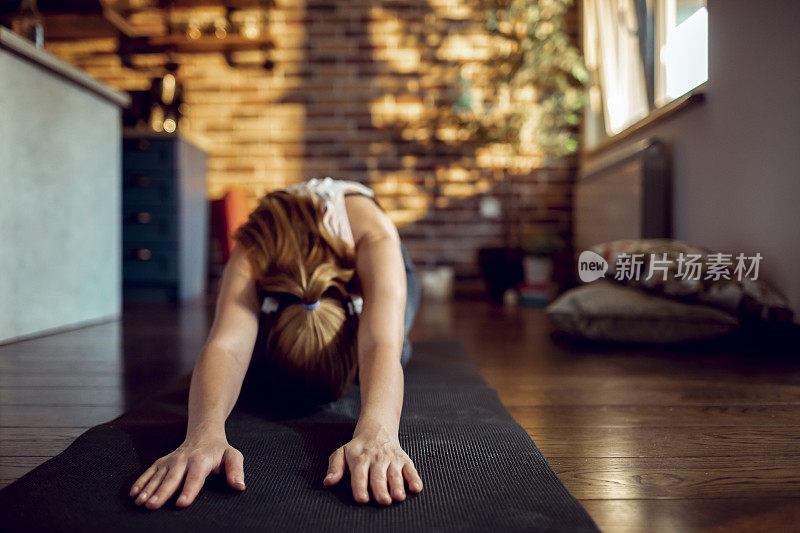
311, 306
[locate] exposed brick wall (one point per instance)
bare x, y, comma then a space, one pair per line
346, 74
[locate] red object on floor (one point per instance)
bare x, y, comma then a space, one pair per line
227, 214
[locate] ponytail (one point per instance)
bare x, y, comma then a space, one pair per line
313, 338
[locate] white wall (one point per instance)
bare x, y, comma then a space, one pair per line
736, 166
60, 186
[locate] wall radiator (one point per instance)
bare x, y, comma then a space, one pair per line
623, 194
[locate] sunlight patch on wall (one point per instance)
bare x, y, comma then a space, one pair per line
393, 44
453, 9
463, 48
401, 196
390, 108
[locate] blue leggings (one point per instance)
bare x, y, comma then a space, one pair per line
412, 304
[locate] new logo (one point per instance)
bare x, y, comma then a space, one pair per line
591, 266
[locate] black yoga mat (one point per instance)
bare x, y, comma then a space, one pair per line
480, 469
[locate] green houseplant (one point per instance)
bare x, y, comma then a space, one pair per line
529, 94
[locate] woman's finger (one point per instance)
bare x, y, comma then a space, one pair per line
152, 485
234, 467
412, 477
168, 486
359, 470
143, 479
196, 475
378, 483
396, 488
336, 465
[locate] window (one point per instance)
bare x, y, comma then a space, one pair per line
642, 55
682, 37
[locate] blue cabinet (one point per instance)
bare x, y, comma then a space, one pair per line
164, 218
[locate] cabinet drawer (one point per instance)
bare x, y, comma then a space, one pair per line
138, 154
148, 226
143, 188
142, 262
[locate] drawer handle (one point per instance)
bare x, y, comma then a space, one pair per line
142, 254
142, 217
141, 180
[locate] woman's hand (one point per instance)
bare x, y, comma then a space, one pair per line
195, 459
375, 458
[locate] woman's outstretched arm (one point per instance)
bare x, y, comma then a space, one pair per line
374, 456
216, 382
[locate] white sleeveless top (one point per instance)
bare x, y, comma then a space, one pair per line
331, 191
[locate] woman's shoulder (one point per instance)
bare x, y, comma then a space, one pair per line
240, 262
368, 219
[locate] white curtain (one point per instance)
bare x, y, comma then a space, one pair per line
612, 51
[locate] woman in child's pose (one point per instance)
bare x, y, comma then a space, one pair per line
327, 264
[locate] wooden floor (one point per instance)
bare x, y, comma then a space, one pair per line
647, 440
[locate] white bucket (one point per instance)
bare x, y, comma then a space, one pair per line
436, 283
537, 269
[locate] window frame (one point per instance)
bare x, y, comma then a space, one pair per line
663, 107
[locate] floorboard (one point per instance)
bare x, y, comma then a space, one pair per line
622, 416
754, 514
679, 477
38, 441
672, 442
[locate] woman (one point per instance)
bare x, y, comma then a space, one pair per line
326, 263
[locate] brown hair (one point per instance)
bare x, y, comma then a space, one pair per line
294, 255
